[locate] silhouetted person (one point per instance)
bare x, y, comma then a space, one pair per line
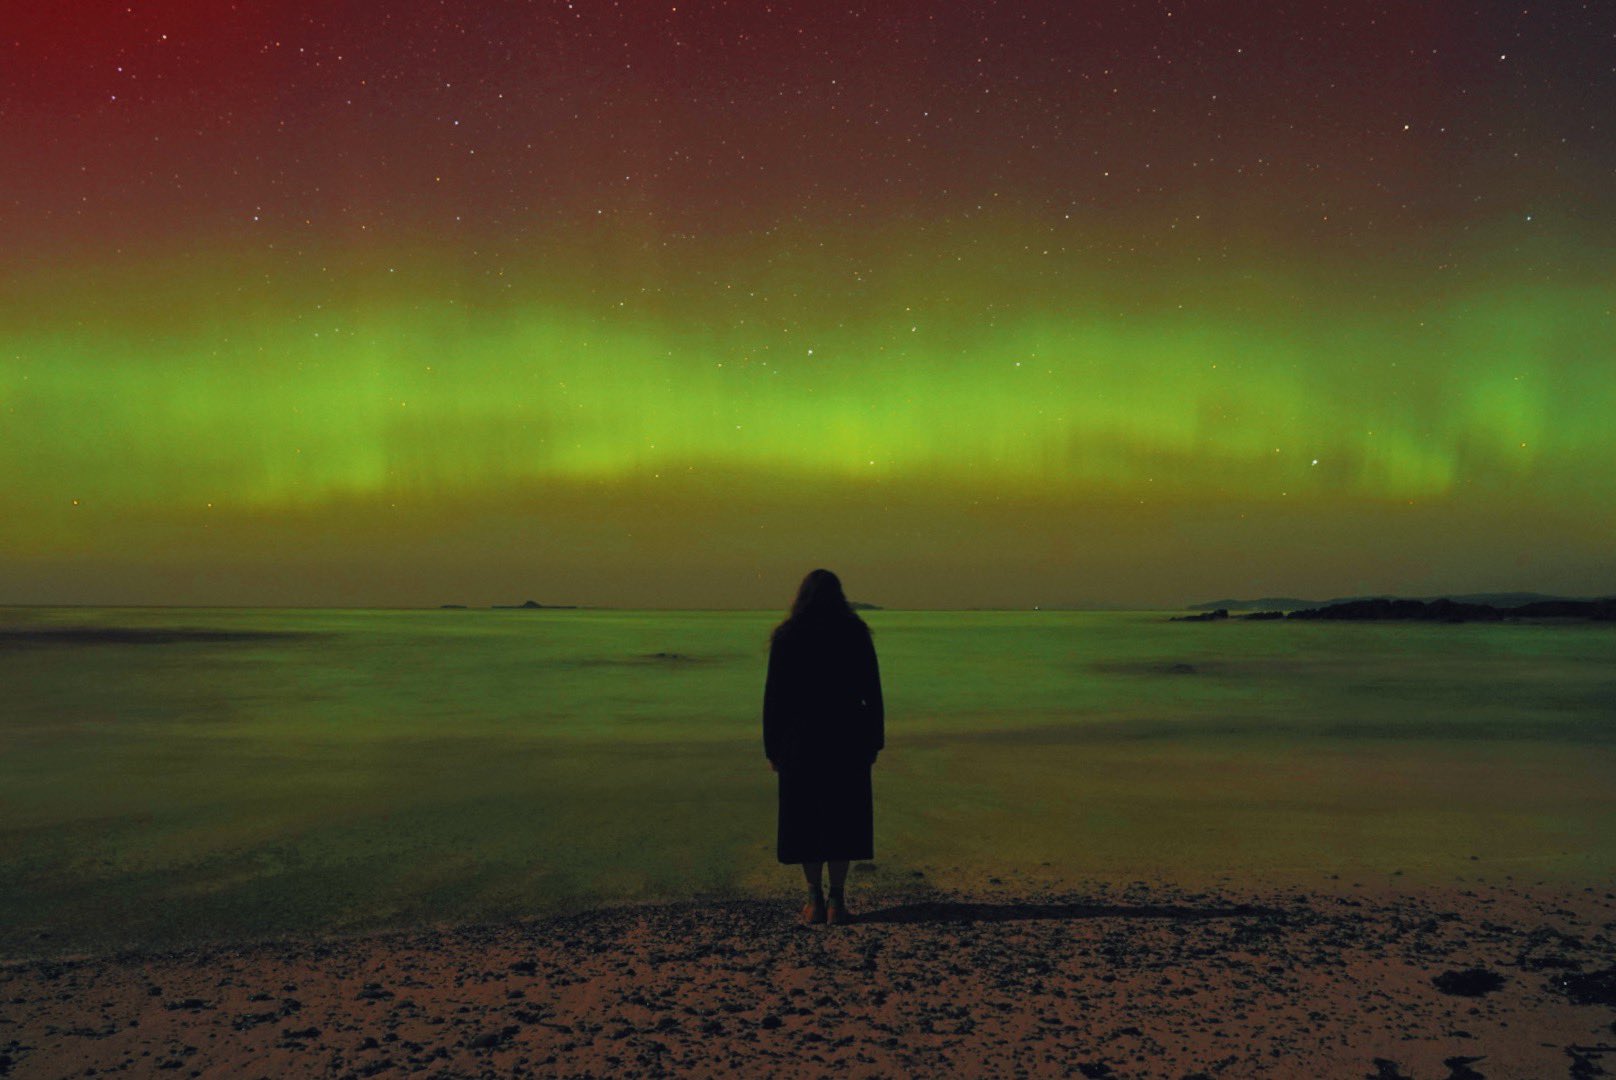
823, 724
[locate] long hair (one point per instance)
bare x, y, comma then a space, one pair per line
820, 600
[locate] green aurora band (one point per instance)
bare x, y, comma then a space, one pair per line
177, 397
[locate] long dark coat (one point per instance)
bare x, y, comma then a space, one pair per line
823, 722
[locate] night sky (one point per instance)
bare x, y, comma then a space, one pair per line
988, 304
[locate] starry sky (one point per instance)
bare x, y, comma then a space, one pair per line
661, 305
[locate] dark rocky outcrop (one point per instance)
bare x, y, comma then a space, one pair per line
1566, 609
1438, 610
1291, 603
1381, 608
1458, 611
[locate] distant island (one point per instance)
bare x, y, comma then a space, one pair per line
1440, 609
1266, 603
860, 605
527, 605
1291, 603
531, 605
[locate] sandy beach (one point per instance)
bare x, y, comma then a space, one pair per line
1134, 979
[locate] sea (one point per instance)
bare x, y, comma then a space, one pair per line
173, 776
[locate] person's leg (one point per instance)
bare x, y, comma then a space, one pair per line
811, 871
838, 877
815, 910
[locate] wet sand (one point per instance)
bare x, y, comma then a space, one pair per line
1140, 979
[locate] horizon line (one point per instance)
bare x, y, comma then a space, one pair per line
623, 607
550, 607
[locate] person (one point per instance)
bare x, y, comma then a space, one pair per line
823, 725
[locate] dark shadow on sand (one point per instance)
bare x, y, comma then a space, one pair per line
940, 911
129, 635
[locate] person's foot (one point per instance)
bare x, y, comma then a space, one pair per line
813, 913
836, 913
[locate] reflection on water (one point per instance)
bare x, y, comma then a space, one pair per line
173, 774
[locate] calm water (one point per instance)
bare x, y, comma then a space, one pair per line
349, 770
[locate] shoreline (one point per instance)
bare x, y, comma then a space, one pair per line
1143, 979
1539, 874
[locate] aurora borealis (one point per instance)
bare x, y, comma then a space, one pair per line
663, 304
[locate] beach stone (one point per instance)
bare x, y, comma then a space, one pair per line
189, 1005
492, 1039
1472, 982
